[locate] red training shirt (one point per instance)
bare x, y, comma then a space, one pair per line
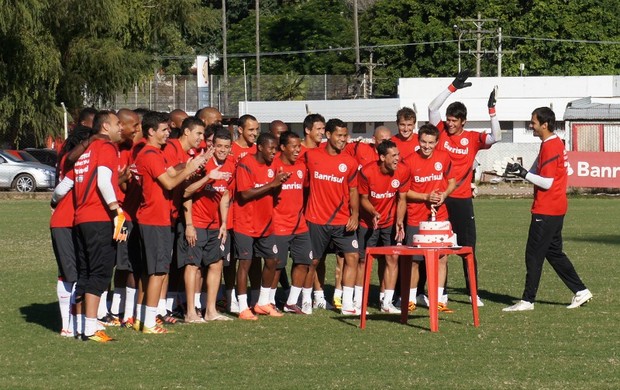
206, 201
382, 190
288, 212
253, 218
552, 162
155, 206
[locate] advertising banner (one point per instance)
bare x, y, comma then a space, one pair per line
594, 169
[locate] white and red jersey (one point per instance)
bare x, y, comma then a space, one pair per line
462, 149
238, 152
253, 218
89, 203
64, 214
206, 201
288, 212
406, 147
382, 190
427, 175
174, 154
331, 178
155, 206
552, 162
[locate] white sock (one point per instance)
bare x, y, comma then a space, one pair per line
79, 324
338, 293
306, 295
387, 298
272, 296
243, 302
171, 300
413, 293
263, 298
347, 298
381, 296
231, 296
319, 296
440, 296
102, 311
197, 302
130, 302
161, 307
293, 295
117, 299
149, 316
63, 290
90, 326
359, 291
254, 296
140, 312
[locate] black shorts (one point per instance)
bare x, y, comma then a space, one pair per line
409, 232
374, 237
157, 243
122, 252
181, 247
95, 257
206, 251
461, 216
321, 235
247, 247
226, 247
299, 245
134, 249
64, 245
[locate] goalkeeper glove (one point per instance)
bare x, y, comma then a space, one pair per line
120, 230
460, 81
516, 169
492, 101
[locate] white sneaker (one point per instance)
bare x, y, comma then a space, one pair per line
390, 309
520, 306
480, 303
354, 311
421, 300
580, 298
306, 307
233, 307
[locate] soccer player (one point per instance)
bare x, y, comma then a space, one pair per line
63, 237
549, 176
206, 231
154, 213
462, 146
246, 142
332, 211
432, 180
383, 187
406, 140
209, 115
98, 220
290, 227
177, 117
314, 130
277, 127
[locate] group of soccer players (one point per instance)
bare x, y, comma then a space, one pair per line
178, 203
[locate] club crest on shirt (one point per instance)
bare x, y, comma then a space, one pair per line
300, 174
395, 183
464, 141
342, 168
270, 173
438, 166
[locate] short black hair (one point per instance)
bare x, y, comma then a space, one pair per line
406, 113
457, 110
100, 118
190, 122
221, 133
311, 119
333, 123
286, 136
244, 119
264, 138
152, 120
85, 113
428, 129
545, 115
383, 147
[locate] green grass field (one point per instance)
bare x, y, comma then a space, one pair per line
549, 348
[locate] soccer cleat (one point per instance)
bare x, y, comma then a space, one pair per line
390, 309
480, 303
354, 311
520, 306
100, 336
306, 307
442, 307
247, 315
137, 325
580, 298
338, 303
157, 329
129, 323
109, 320
66, 333
421, 300
293, 309
268, 310
321, 304
411, 306
167, 319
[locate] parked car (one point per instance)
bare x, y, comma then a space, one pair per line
22, 155
24, 176
45, 156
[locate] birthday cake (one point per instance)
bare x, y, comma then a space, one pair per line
435, 234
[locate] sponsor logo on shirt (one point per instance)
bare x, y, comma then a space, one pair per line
455, 150
292, 186
331, 178
429, 178
385, 195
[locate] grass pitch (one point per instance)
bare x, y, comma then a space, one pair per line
551, 347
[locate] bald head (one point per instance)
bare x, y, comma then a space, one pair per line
277, 127
381, 134
209, 115
130, 123
176, 118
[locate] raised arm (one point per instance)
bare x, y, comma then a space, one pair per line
434, 116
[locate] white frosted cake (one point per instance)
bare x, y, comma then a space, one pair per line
433, 233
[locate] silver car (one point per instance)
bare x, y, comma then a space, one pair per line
24, 176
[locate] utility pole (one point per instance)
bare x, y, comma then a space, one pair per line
370, 65
357, 46
224, 109
257, 50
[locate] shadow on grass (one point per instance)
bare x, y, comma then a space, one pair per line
486, 295
44, 314
608, 239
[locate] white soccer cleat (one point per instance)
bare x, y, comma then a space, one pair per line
233, 307
520, 306
354, 311
480, 303
322, 304
422, 300
580, 298
390, 309
306, 307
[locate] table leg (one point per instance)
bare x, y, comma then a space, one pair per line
405, 281
367, 272
431, 260
473, 288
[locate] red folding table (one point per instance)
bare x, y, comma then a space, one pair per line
431, 256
